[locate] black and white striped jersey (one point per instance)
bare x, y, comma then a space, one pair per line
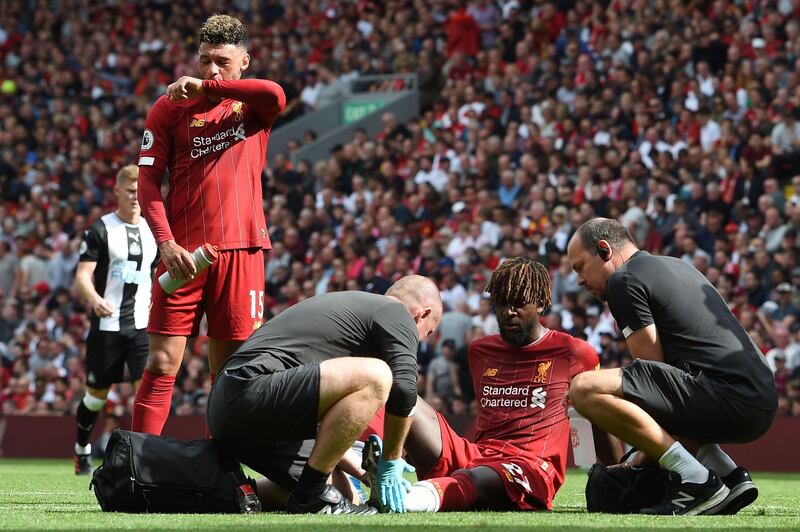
125, 255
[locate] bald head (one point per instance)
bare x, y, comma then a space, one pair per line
416, 290
597, 229
421, 298
596, 250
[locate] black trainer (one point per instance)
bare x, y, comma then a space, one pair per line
689, 498
742, 492
83, 464
330, 501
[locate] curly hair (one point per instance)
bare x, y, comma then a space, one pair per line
518, 281
223, 29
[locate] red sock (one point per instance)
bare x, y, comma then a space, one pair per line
456, 493
153, 399
213, 380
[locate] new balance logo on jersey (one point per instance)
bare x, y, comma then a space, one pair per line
490, 372
682, 498
197, 122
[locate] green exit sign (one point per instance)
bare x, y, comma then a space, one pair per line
355, 111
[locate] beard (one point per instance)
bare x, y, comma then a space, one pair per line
519, 338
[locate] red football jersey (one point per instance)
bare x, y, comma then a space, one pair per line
519, 392
215, 153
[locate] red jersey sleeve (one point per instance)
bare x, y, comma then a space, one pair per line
584, 357
155, 155
266, 97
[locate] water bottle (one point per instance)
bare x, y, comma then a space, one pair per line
202, 256
582, 440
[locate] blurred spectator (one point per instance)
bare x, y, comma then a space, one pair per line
785, 139
595, 328
427, 351
678, 118
782, 378
8, 270
455, 325
442, 377
485, 318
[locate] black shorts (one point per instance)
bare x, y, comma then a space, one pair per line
108, 352
268, 420
692, 406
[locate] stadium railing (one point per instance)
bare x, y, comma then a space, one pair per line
370, 97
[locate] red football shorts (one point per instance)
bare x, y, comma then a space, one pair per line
375, 426
528, 480
230, 292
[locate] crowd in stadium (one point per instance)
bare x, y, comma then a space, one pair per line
678, 118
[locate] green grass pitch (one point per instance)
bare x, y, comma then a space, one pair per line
45, 494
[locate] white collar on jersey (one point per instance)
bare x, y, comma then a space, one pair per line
545, 333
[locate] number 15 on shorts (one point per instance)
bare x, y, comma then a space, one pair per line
257, 304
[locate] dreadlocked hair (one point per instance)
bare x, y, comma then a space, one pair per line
518, 281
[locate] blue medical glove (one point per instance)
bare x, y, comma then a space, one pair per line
391, 485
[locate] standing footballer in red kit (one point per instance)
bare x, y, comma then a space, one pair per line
211, 135
516, 456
